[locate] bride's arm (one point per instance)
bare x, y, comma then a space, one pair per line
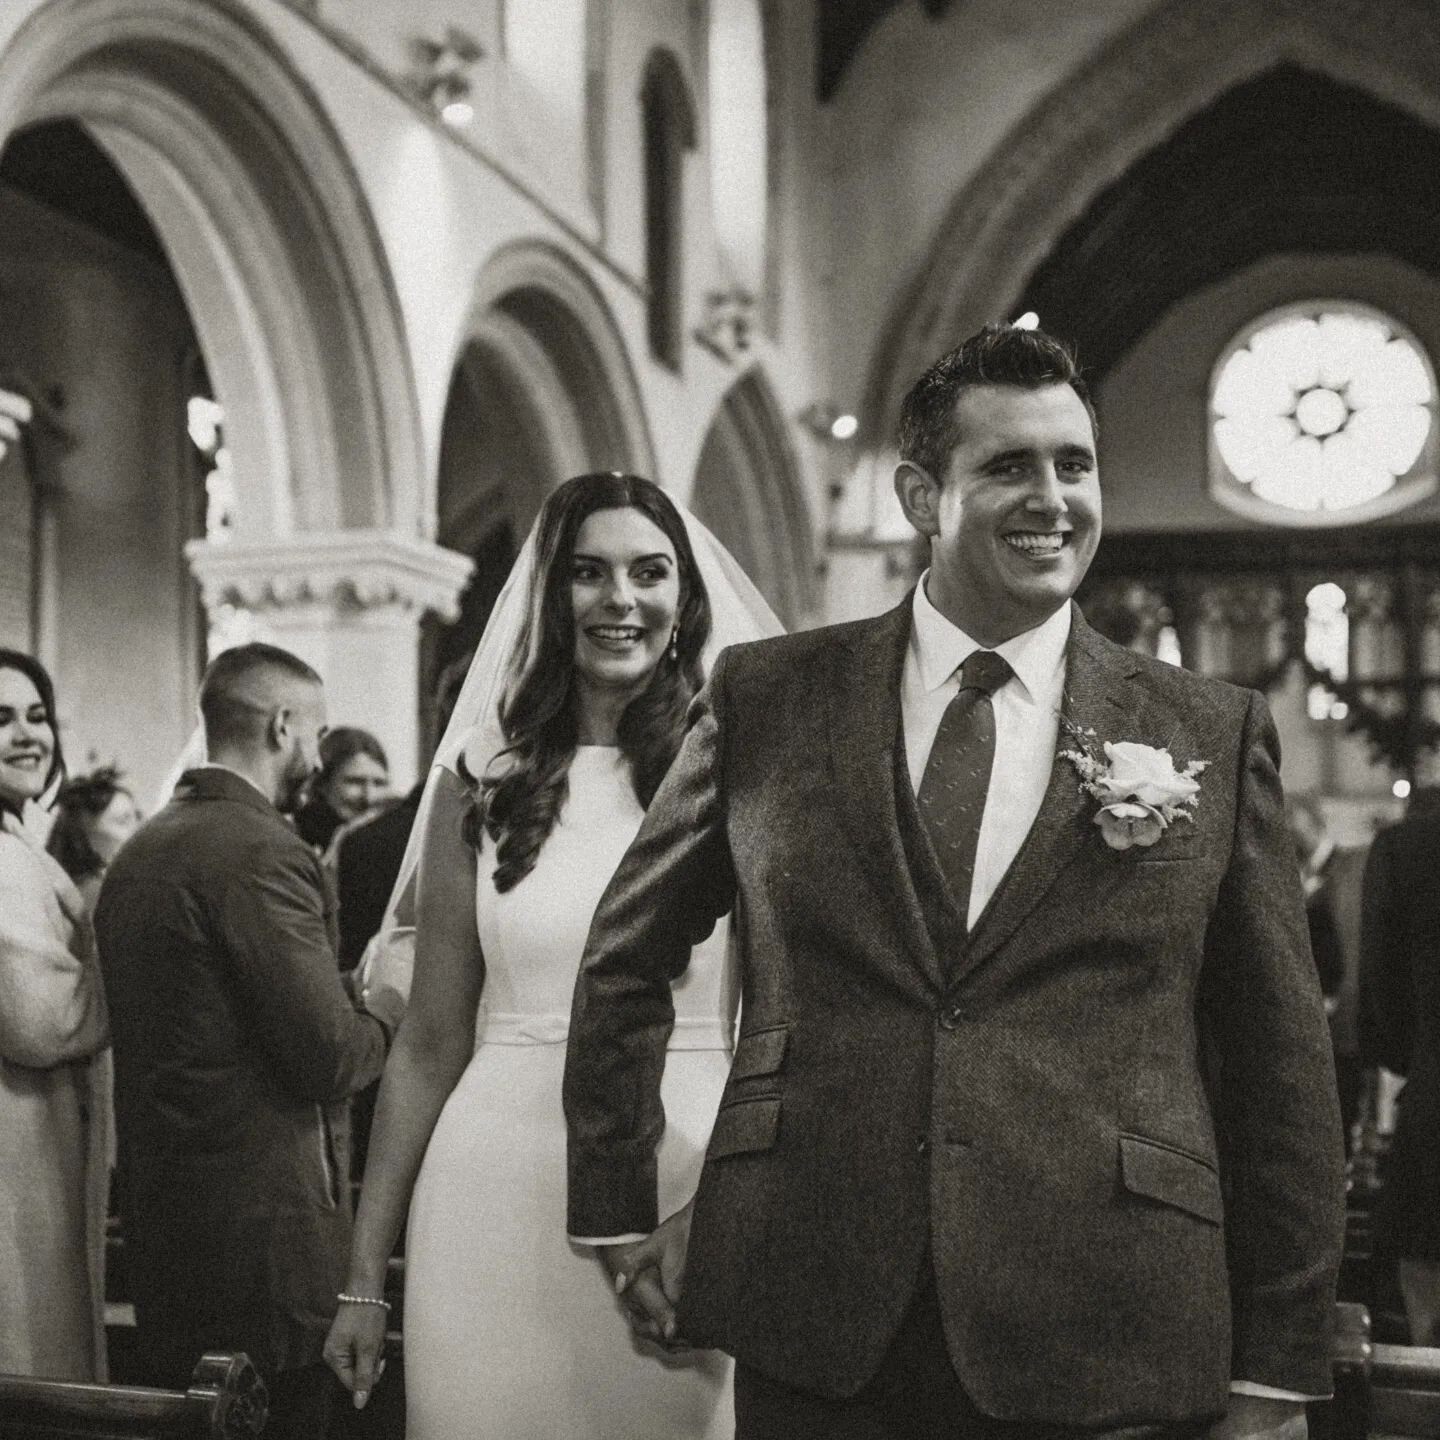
434, 1043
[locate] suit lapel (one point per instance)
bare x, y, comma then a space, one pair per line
1095, 699
864, 729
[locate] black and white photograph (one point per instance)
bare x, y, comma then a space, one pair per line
719, 720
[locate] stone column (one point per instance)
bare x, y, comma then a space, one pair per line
350, 603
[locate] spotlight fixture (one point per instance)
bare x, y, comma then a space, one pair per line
442, 73
826, 421
16, 411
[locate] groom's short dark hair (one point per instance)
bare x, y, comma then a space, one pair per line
998, 355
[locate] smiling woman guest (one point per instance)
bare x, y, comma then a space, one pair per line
564, 731
53, 1170
354, 778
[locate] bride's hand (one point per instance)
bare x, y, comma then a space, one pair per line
649, 1276
354, 1348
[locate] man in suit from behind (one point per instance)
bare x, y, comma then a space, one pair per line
1031, 1127
235, 1050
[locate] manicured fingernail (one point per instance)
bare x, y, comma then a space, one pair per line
361, 1396
619, 1282
669, 1329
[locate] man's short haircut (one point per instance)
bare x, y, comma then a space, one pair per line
998, 355
232, 693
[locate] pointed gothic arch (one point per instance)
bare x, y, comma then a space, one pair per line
748, 491
1090, 129
542, 388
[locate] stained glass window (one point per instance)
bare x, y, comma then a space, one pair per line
1320, 415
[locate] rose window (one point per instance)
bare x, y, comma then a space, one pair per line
1322, 415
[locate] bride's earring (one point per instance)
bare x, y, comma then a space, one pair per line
674, 645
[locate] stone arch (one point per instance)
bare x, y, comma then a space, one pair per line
270, 238
541, 389
1091, 128
748, 491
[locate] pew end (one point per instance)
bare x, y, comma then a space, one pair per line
1382, 1391
225, 1400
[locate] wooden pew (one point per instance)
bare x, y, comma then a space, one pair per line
226, 1401
1382, 1392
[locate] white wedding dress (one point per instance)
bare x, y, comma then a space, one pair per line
512, 1332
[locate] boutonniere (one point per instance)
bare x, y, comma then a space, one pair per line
1140, 790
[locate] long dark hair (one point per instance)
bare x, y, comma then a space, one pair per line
39, 677
82, 798
519, 801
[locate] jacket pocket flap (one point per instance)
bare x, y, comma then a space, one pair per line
760, 1053
1172, 1177
746, 1125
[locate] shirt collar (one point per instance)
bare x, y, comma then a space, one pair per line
941, 647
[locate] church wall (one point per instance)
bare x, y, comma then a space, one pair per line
1153, 405
443, 210
952, 91
109, 328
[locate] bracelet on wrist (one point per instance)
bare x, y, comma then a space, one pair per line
345, 1299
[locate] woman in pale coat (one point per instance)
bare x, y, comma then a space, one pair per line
53, 1105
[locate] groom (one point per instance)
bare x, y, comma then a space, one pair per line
1031, 1119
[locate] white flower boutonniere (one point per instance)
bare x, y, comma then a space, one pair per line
1141, 793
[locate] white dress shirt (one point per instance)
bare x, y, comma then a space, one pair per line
1027, 730
1027, 725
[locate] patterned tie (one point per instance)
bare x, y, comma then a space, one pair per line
957, 775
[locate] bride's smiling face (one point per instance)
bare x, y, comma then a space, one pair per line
624, 595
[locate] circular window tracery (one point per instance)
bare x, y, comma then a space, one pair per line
1322, 414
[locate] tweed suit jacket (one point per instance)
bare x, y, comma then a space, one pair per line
235, 1049
1105, 1115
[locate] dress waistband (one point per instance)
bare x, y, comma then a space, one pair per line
501, 1028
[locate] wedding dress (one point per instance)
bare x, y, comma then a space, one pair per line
510, 1330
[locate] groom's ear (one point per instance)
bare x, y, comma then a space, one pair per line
918, 492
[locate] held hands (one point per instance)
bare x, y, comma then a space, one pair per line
354, 1348
1256, 1417
649, 1276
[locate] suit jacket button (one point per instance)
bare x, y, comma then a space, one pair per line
922, 1145
951, 1017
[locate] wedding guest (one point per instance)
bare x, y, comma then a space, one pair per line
367, 853
1400, 1029
236, 1048
537, 789
53, 1171
366, 856
95, 815
354, 776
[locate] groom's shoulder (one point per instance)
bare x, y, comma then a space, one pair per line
1174, 684
795, 652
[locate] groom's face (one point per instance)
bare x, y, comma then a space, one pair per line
1014, 521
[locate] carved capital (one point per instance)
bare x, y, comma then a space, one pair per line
345, 571
727, 324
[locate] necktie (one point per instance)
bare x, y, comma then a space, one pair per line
952, 790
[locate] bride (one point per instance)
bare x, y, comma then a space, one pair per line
570, 717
